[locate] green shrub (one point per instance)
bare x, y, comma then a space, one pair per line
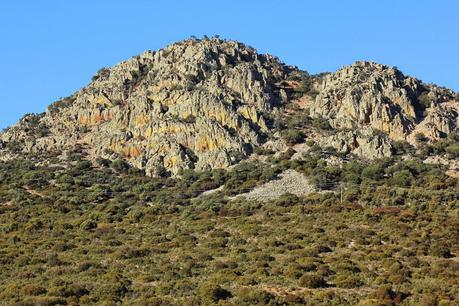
252, 296
112, 292
440, 249
33, 289
321, 123
311, 280
402, 178
348, 281
453, 150
293, 136
88, 225
213, 293
42, 301
120, 166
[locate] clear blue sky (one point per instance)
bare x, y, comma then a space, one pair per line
49, 49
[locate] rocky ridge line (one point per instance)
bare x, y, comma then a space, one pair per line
209, 103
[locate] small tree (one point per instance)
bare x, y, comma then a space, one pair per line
213, 293
311, 280
293, 137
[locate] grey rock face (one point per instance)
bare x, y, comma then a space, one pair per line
205, 104
195, 104
363, 142
372, 95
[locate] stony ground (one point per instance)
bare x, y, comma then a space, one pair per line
290, 181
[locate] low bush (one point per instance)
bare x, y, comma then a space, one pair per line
311, 280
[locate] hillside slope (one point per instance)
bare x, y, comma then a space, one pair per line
206, 104
208, 174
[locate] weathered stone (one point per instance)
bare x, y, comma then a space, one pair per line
207, 104
195, 104
367, 94
363, 143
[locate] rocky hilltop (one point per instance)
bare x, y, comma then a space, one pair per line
364, 98
372, 95
195, 104
208, 103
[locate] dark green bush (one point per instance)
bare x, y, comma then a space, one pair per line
293, 136
311, 280
213, 293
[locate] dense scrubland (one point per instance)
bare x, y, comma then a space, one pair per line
78, 233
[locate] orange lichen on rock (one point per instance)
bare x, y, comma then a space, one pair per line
202, 144
205, 143
141, 120
135, 152
83, 120
131, 151
171, 161
96, 117
106, 115
303, 102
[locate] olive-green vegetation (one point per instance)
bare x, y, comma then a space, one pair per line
104, 235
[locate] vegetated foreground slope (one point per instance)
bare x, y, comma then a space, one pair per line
105, 198
108, 235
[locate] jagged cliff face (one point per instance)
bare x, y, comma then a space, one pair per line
205, 103
372, 95
195, 104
